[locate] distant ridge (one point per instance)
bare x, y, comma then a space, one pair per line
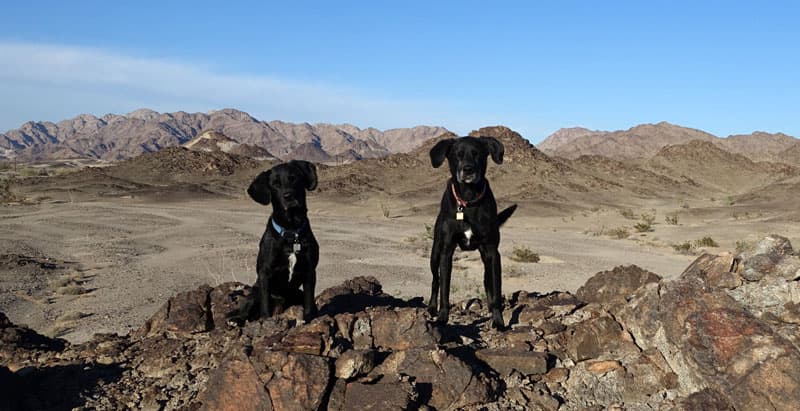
646, 140
117, 137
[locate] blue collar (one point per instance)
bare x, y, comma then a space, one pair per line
283, 231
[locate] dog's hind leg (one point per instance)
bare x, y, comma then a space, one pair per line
492, 282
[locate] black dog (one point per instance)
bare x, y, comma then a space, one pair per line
467, 218
288, 252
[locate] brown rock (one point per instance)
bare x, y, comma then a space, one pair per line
379, 397
294, 381
235, 385
353, 363
715, 270
711, 341
599, 338
226, 298
446, 380
612, 287
315, 338
705, 400
504, 361
402, 328
186, 313
602, 367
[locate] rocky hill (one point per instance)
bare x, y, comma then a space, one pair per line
722, 336
213, 141
644, 141
116, 137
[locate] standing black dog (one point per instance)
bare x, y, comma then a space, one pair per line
467, 218
288, 252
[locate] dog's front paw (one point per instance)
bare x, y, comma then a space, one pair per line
443, 316
497, 321
432, 309
310, 313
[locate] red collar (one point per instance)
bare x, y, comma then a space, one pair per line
460, 201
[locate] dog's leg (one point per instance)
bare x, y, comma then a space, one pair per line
445, 269
261, 290
436, 255
309, 307
492, 282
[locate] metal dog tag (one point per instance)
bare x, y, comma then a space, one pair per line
459, 215
296, 247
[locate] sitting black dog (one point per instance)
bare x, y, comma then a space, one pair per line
467, 218
288, 252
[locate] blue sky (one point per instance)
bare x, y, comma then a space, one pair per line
724, 67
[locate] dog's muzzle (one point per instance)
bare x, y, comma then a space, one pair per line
468, 175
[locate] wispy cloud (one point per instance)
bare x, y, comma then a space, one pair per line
69, 79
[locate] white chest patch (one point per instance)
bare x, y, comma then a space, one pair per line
292, 262
468, 234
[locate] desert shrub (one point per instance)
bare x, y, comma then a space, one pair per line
706, 242
628, 213
671, 219
428, 235
686, 247
524, 255
643, 227
619, 233
72, 289
385, 210
742, 245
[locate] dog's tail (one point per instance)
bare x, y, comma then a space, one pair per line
505, 214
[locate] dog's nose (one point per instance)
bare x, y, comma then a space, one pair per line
468, 168
287, 195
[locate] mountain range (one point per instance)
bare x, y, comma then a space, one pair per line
115, 137
646, 140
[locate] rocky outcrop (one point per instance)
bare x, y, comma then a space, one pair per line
722, 336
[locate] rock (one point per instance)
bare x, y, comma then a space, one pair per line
402, 328
355, 363
399, 395
598, 338
226, 298
711, 341
294, 381
504, 361
612, 287
235, 385
186, 313
715, 270
602, 367
442, 380
315, 338
706, 400
355, 295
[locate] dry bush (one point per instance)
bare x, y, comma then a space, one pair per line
628, 213
706, 242
524, 255
686, 247
671, 219
619, 233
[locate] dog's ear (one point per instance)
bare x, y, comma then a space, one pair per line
439, 152
495, 148
309, 171
259, 188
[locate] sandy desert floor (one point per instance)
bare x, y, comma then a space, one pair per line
116, 262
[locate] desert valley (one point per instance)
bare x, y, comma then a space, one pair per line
104, 219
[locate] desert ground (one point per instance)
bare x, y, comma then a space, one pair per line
115, 262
